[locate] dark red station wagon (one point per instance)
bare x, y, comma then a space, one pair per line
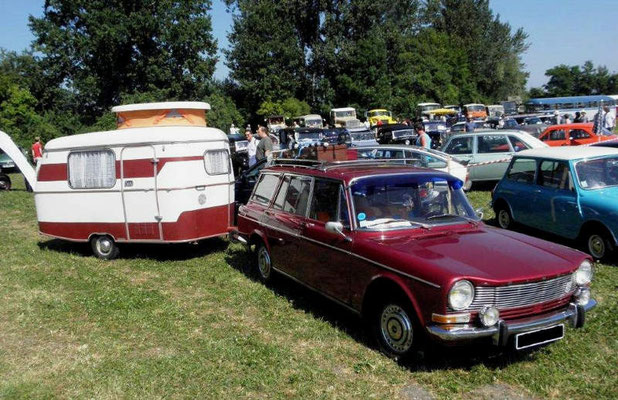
403, 247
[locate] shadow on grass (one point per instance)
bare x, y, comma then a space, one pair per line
158, 252
432, 357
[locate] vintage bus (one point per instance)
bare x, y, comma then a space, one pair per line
570, 105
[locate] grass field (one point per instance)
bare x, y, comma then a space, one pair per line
187, 321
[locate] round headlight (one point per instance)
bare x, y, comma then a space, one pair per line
461, 295
583, 275
489, 316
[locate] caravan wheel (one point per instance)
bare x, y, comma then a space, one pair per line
104, 247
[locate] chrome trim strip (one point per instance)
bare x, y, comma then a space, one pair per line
318, 291
346, 252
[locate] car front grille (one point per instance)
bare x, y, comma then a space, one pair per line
522, 295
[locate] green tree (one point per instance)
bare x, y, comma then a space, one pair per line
289, 108
100, 49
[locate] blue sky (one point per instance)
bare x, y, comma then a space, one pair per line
560, 31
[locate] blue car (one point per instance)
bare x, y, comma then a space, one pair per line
568, 191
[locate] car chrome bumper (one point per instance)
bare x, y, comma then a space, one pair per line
502, 331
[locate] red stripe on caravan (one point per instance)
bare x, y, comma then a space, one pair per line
191, 225
52, 172
132, 168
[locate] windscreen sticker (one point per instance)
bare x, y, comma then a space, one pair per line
361, 216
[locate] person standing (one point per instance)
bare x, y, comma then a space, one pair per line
557, 119
423, 139
583, 116
470, 125
233, 129
37, 150
265, 146
609, 119
251, 147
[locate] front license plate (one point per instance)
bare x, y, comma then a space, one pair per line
539, 337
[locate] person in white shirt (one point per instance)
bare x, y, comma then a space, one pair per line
609, 119
233, 129
251, 147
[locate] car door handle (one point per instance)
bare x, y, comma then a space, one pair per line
306, 224
268, 212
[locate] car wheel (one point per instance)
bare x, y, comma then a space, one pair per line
104, 247
503, 215
263, 262
395, 328
598, 245
5, 182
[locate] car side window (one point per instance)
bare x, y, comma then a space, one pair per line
324, 205
492, 144
579, 134
283, 190
460, 145
265, 188
297, 196
558, 134
517, 143
554, 175
522, 170
425, 160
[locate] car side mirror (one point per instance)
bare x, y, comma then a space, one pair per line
337, 228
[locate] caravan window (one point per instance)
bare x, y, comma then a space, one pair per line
92, 169
217, 162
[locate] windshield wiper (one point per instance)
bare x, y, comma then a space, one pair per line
440, 216
391, 220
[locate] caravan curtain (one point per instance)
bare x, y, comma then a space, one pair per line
92, 169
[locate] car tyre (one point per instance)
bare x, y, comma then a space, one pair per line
104, 247
598, 244
263, 262
504, 217
5, 182
395, 328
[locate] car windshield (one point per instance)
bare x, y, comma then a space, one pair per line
345, 114
362, 135
476, 108
409, 201
313, 122
308, 135
378, 113
598, 173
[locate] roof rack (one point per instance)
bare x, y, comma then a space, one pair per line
327, 165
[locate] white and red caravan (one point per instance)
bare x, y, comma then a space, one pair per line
162, 177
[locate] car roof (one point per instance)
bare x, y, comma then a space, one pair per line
574, 125
348, 172
569, 152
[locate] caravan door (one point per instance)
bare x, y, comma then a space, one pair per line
138, 171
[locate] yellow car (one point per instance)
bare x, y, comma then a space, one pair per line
379, 114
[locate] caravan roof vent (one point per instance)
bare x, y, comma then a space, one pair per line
173, 113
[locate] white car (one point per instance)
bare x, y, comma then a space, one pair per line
417, 156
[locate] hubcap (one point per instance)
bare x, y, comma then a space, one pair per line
104, 245
504, 219
596, 245
264, 262
396, 328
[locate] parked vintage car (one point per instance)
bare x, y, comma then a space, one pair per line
238, 152
362, 137
436, 129
309, 121
379, 115
574, 135
402, 247
488, 153
336, 136
344, 117
6, 163
461, 126
396, 134
274, 123
415, 156
573, 191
